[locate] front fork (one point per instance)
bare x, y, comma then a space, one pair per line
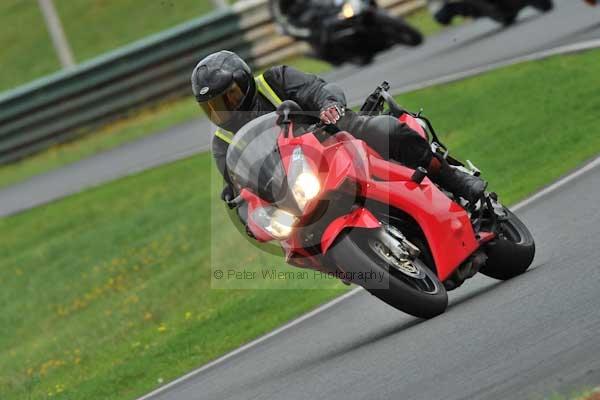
396, 242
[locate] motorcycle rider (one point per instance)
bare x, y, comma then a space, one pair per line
327, 24
301, 12
504, 11
446, 14
231, 96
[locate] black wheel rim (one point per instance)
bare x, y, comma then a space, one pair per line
421, 278
425, 285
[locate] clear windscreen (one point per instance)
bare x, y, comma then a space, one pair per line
253, 159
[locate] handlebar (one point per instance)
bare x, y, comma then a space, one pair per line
289, 109
378, 99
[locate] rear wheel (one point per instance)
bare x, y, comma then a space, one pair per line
512, 253
397, 30
504, 12
407, 35
542, 5
408, 285
509, 19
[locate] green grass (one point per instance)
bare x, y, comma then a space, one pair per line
97, 26
106, 294
587, 394
92, 27
27, 52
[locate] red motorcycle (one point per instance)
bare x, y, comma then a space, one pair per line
335, 205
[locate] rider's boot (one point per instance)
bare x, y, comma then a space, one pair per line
462, 184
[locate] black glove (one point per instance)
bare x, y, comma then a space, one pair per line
227, 195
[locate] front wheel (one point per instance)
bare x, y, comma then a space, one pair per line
408, 285
512, 252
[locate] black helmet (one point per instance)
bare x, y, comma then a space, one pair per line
222, 84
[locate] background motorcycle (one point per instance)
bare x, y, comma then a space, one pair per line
502, 11
333, 204
343, 31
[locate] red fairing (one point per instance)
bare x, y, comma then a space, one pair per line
445, 224
359, 218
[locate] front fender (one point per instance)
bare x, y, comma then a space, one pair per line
358, 218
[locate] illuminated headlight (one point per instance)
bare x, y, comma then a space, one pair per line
281, 224
347, 11
302, 180
277, 222
306, 187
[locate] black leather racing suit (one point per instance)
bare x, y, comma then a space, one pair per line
384, 134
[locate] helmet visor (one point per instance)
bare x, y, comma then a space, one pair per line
220, 109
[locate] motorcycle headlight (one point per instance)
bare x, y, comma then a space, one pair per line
304, 183
278, 223
281, 224
306, 187
347, 11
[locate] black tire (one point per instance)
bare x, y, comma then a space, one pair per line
353, 255
542, 5
511, 254
395, 29
407, 35
509, 20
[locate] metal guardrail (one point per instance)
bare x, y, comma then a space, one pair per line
61, 106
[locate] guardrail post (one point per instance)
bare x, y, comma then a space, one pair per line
220, 4
61, 46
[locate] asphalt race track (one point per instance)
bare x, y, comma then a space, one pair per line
458, 49
519, 339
